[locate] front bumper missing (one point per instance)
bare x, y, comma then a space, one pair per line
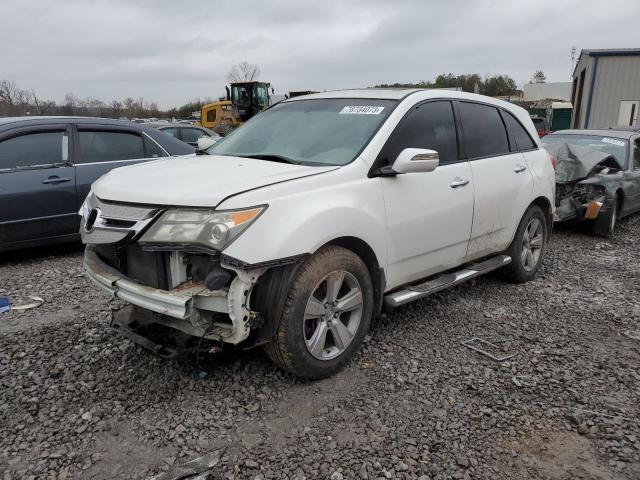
190, 307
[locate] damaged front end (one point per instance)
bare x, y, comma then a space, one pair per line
581, 192
197, 291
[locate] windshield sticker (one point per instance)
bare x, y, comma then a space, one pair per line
361, 110
612, 141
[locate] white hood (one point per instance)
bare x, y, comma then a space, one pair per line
201, 181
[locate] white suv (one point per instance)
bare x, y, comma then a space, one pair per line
299, 226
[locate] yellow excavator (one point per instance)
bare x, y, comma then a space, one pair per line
243, 101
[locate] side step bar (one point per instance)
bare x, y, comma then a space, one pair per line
409, 293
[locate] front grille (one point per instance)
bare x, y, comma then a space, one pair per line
146, 268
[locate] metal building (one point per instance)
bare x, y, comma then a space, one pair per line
606, 88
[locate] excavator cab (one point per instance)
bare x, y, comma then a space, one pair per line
248, 98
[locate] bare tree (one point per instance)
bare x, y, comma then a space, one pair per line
243, 72
8, 92
539, 77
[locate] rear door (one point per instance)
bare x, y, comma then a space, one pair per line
101, 148
503, 184
37, 184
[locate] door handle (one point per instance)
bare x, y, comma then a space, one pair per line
458, 182
55, 180
519, 168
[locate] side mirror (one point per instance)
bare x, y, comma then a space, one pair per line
415, 160
205, 142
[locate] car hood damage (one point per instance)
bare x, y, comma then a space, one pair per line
201, 181
576, 163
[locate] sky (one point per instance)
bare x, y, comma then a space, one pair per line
172, 51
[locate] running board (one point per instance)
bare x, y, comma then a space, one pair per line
409, 293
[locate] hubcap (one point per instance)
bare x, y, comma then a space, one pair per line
532, 242
332, 315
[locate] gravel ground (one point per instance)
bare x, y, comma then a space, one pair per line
78, 401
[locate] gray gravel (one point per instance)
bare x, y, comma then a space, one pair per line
78, 401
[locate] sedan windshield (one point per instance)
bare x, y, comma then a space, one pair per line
325, 131
616, 147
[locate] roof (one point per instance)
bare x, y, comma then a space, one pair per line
53, 119
378, 93
605, 52
401, 93
611, 52
169, 143
626, 134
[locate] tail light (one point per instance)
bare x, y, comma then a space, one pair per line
554, 162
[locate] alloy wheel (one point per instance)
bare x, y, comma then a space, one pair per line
532, 243
332, 315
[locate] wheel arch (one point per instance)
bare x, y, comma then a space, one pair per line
545, 205
368, 256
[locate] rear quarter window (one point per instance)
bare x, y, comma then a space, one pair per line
519, 134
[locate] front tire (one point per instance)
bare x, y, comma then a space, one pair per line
326, 315
528, 246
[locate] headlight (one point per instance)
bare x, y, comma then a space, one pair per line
204, 228
86, 206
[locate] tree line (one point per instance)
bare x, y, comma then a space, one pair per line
493, 86
16, 101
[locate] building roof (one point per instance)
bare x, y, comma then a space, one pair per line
605, 52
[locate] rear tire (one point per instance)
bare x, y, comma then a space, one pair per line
528, 246
326, 315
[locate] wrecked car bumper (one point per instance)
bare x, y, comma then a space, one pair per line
190, 307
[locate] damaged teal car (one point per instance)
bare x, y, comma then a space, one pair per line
597, 176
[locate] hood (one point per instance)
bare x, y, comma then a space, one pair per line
576, 163
196, 181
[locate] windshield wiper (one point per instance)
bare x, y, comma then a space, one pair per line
272, 158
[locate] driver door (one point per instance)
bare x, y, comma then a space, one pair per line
429, 215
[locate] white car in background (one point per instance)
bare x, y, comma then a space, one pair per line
299, 226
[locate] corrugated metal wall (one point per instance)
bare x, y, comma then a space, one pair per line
585, 62
617, 79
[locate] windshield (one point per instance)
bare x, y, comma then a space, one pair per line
616, 147
325, 131
261, 95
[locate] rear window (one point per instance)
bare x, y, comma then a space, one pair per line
484, 132
106, 146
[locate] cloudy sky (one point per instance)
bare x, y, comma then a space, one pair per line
171, 51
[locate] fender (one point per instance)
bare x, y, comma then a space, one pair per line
307, 213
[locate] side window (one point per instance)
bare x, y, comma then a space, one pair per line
32, 149
211, 115
152, 150
636, 154
192, 134
106, 145
171, 131
484, 132
518, 133
429, 125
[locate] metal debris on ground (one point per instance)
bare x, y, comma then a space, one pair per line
196, 469
5, 304
477, 345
